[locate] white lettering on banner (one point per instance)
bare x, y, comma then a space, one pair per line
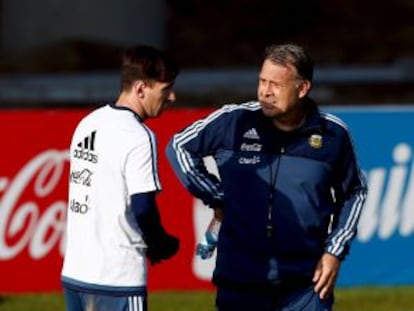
390, 204
49, 166
389, 217
388, 210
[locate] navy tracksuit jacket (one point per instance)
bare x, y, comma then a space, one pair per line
287, 197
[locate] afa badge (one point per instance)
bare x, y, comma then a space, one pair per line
315, 141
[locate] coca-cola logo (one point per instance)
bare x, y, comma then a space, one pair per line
83, 177
26, 223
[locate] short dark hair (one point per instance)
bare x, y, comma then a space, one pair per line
146, 63
293, 54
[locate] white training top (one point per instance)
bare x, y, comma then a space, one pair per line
113, 155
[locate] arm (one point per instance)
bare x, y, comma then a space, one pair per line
186, 150
160, 244
142, 182
350, 195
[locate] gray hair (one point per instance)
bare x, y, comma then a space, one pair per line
291, 54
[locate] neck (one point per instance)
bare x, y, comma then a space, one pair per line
124, 100
290, 121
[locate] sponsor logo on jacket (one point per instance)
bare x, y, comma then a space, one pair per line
249, 160
251, 147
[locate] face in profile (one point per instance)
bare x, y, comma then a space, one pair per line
157, 96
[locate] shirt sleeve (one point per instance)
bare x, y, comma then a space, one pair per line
147, 215
141, 168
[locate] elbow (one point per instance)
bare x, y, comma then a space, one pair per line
170, 152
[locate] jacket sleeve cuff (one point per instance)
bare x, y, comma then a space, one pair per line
340, 254
216, 204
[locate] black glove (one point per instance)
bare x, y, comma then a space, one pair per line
161, 248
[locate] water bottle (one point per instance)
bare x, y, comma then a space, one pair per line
205, 248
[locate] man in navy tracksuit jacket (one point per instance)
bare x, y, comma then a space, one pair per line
289, 195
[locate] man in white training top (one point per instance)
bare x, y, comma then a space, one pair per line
113, 223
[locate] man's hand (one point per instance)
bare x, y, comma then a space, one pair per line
325, 275
218, 213
162, 248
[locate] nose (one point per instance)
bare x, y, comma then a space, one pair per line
265, 89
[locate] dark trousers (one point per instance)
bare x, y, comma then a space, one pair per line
275, 298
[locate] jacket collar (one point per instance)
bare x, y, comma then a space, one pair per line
313, 119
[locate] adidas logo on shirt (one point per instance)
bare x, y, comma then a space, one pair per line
251, 134
84, 149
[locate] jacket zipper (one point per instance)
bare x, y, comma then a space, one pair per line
269, 226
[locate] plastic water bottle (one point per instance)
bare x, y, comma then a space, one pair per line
207, 245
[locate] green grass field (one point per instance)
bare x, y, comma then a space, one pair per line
352, 299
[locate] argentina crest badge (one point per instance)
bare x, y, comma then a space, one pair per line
315, 141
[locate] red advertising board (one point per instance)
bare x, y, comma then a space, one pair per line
33, 200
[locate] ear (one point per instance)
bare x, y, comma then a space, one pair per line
139, 88
304, 87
